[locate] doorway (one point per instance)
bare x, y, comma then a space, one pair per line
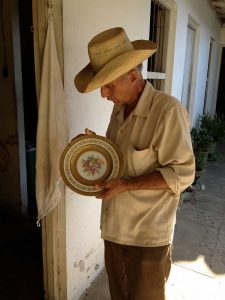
208, 75
20, 242
188, 68
220, 106
29, 97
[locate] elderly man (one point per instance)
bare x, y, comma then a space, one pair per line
151, 129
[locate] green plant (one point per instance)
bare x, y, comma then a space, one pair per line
214, 125
201, 139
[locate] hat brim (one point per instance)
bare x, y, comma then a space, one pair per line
87, 80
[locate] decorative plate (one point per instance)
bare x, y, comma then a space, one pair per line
88, 160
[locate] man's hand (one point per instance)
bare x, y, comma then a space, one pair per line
89, 132
152, 181
112, 188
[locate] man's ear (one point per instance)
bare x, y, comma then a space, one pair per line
133, 76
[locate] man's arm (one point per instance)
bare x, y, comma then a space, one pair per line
112, 188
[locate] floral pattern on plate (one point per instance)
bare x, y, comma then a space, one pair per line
88, 160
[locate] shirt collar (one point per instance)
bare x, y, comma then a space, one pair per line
144, 102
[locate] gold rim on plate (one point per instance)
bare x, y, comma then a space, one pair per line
88, 160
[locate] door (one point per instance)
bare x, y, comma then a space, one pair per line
208, 74
188, 68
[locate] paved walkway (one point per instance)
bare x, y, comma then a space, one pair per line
198, 270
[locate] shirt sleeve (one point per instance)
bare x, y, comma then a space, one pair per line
174, 147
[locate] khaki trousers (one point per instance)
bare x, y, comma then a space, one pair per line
137, 273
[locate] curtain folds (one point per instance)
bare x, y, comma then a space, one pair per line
51, 140
40, 22
52, 134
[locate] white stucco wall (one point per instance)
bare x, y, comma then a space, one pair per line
208, 26
82, 20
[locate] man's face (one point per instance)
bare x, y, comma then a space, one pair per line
118, 91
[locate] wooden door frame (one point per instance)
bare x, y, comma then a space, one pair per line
53, 225
195, 26
54, 253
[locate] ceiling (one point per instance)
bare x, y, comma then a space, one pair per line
219, 7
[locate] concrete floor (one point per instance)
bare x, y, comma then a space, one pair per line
198, 270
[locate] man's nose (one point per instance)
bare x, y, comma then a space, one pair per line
105, 91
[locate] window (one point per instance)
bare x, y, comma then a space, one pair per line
162, 31
159, 29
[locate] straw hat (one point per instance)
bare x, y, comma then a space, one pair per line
111, 55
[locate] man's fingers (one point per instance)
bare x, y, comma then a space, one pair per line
110, 188
101, 195
105, 185
89, 132
101, 185
104, 195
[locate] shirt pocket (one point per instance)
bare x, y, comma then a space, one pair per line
140, 162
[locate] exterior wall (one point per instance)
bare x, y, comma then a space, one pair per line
82, 20
208, 26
